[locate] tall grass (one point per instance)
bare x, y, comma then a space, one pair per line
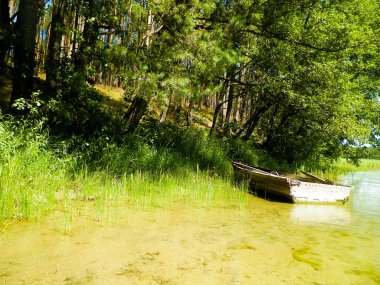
27, 169
335, 169
159, 166
342, 166
38, 176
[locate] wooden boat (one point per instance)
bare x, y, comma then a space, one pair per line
300, 189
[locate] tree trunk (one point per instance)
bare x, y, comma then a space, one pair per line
252, 123
236, 111
269, 139
229, 104
189, 113
230, 96
135, 113
25, 43
230, 101
150, 30
164, 113
242, 110
90, 36
76, 27
5, 31
55, 39
69, 22
217, 111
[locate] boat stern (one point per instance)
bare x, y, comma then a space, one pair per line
306, 192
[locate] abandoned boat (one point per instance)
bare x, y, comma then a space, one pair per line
300, 189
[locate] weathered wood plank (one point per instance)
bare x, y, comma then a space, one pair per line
299, 191
314, 177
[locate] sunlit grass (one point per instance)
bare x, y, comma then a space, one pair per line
137, 190
114, 93
343, 166
37, 178
35, 182
25, 199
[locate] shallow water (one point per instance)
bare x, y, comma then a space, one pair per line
264, 243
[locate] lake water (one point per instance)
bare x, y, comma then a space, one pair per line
264, 243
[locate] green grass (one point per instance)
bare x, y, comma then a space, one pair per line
160, 166
343, 166
30, 198
38, 178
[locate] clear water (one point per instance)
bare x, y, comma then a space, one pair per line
265, 243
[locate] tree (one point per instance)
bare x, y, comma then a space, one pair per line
287, 75
5, 30
59, 9
24, 49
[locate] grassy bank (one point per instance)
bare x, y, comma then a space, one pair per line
39, 174
158, 166
343, 166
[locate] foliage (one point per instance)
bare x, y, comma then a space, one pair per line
370, 153
298, 80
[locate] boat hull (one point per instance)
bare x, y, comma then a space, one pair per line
296, 190
306, 192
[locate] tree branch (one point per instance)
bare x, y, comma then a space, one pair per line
304, 44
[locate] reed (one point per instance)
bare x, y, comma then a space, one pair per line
342, 167
36, 179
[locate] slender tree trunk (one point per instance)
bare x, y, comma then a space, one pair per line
269, 139
55, 40
253, 122
150, 30
218, 110
229, 104
236, 111
189, 113
214, 100
222, 118
24, 50
76, 28
242, 109
39, 47
69, 22
90, 36
5, 31
230, 101
135, 113
164, 113
230, 96
139, 104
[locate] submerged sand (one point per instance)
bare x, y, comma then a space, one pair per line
263, 243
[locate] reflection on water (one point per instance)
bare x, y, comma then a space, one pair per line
321, 214
366, 197
266, 243
365, 202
